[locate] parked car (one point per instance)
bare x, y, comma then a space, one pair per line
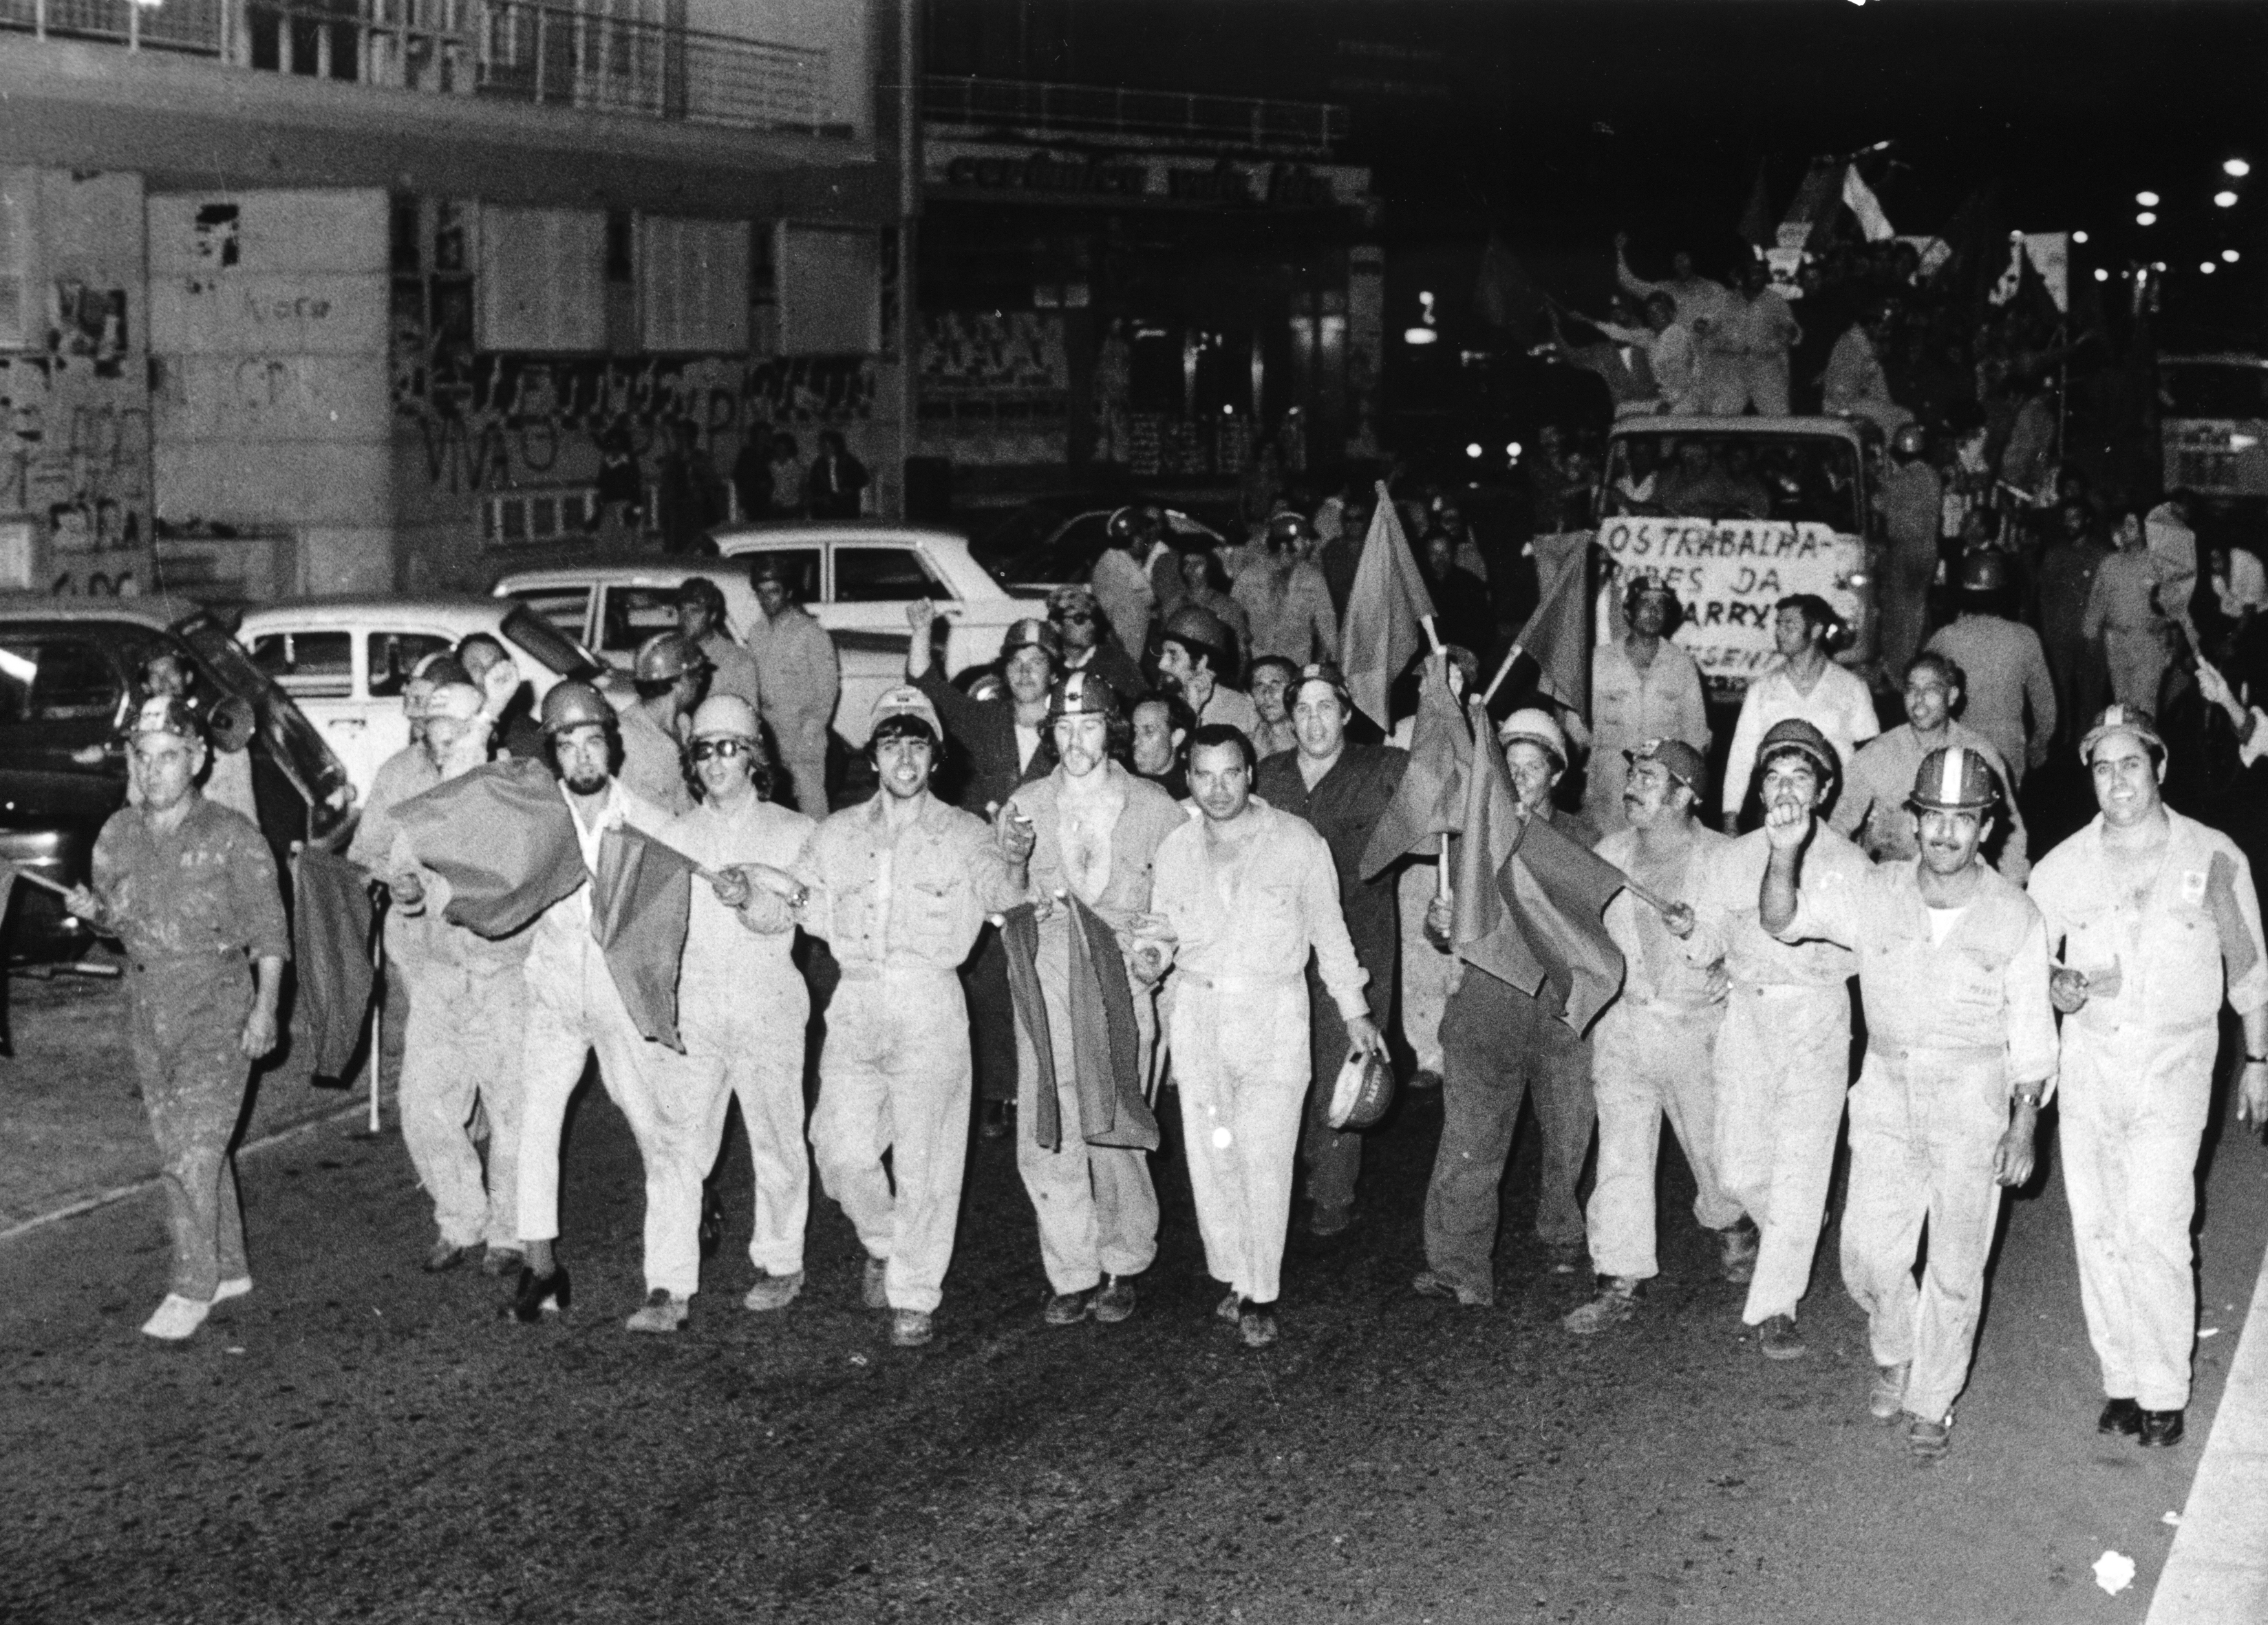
1041, 546
68, 676
345, 660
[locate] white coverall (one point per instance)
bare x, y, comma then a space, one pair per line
800, 677
1783, 1061
900, 910
1953, 1027
2137, 1081
1651, 1055
573, 1010
653, 764
741, 1011
1245, 911
1428, 975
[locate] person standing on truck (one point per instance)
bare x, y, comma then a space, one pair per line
1694, 297
1745, 352
1806, 685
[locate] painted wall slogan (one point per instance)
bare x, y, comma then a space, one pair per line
1730, 573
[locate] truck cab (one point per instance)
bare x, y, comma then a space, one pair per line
2212, 426
1736, 513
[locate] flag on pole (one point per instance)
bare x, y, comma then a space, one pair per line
1756, 225
1558, 635
1430, 801
1530, 903
502, 836
640, 902
331, 924
1387, 609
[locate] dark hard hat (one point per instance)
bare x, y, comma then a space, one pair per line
1286, 528
1797, 735
1678, 759
667, 655
1082, 694
1032, 633
1983, 570
571, 704
1132, 522
1364, 1089
1197, 627
1954, 778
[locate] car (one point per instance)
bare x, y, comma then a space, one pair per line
1041, 546
69, 670
345, 660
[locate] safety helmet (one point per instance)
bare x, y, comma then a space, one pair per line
1797, 735
905, 700
1677, 759
1954, 778
667, 655
166, 713
2128, 719
1648, 584
724, 717
1082, 694
1032, 633
1133, 522
1328, 673
1362, 1091
1539, 728
1198, 630
1288, 529
1983, 570
571, 704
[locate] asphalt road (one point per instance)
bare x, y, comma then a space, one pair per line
357, 1440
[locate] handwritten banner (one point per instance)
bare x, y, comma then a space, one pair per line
1729, 573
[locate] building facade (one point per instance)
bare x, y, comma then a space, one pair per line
307, 296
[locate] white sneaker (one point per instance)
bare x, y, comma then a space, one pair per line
664, 1312
773, 1291
236, 1287
178, 1317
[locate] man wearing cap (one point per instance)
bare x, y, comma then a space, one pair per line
799, 677
1783, 1058
1651, 1049
1095, 831
1003, 742
701, 618
1961, 1050
1085, 644
741, 1004
1193, 657
1286, 597
1243, 895
2011, 695
1643, 687
467, 1012
574, 1009
2156, 922
898, 887
189, 888
1872, 809
1121, 584
1343, 789
672, 675
1806, 686
1499, 1043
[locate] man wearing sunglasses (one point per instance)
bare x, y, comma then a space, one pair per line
1087, 646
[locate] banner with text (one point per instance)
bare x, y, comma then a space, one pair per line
1729, 573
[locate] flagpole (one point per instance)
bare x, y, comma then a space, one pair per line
1441, 869
1502, 672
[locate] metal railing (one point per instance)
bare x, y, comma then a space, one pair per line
601, 54
1305, 127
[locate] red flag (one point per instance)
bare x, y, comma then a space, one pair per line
1430, 801
502, 836
640, 902
1387, 609
1530, 903
1558, 635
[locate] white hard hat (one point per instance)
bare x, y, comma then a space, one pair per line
1537, 727
724, 717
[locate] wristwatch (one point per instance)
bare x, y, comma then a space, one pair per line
2032, 1101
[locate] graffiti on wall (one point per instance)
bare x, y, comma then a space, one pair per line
991, 351
75, 459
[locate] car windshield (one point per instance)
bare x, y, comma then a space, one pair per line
1802, 478
2214, 389
558, 652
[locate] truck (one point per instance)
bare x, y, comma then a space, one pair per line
1734, 514
2212, 426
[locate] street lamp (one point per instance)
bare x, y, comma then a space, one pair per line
2079, 237
2148, 200
2230, 256
2146, 218
2237, 169
2207, 267
2101, 274
2224, 200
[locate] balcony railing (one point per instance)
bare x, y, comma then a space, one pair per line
1305, 127
608, 56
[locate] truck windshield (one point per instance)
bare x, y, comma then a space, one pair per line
1811, 478
2212, 389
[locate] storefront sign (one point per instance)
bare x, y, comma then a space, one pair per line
962, 168
1729, 574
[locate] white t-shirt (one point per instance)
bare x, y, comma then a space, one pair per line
1941, 922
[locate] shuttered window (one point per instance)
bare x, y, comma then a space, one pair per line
542, 280
693, 285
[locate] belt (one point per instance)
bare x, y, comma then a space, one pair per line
1890, 1051
145, 964
1786, 989
871, 972
1231, 984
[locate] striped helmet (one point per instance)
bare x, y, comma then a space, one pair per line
1954, 778
1082, 694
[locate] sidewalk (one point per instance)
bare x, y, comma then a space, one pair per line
70, 1129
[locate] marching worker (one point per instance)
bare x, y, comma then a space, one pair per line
1807, 686
1872, 810
798, 677
1121, 578
2012, 699
1087, 645
1497, 1044
1096, 830
899, 885
408, 772
468, 1013
1651, 1050
1193, 657
574, 1009
1643, 687
1961, 1049
2157, 921
189, 888
1246, 893
1286, 597
741, 1004
1783, 1057
1343, 789
1271, 680
672, 675
701, 618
